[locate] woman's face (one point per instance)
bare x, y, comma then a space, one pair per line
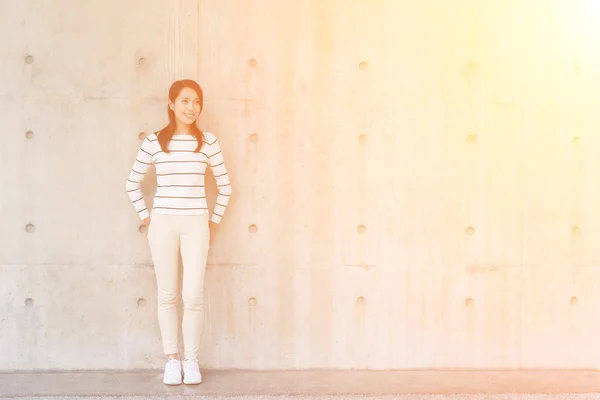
186, 106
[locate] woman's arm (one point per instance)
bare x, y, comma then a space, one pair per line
133, 185
217, 165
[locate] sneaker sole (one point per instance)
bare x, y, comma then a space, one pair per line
174, 382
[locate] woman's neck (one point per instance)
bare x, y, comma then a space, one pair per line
182, 129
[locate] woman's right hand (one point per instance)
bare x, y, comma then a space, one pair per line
147, 221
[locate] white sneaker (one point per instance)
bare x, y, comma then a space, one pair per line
191, 372
172, 374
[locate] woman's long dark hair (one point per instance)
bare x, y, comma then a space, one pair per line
166, 134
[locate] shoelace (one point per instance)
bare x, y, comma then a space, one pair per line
171, 365
192, 362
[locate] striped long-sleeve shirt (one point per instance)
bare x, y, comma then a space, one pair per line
180, 176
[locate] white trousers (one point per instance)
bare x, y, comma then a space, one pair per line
168, 236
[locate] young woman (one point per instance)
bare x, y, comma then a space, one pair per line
180, 222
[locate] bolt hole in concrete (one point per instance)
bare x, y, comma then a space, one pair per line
141, 302
470, 230
252, 228
254, 138
362, 138
469, 302
576, 140
361, 229
363, 65
29, 302
29, 135
30, 228
472, 138
360, 300
252, 62
573, 301
29, 59
252, 301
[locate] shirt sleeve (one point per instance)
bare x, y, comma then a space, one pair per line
133, 185
224, 189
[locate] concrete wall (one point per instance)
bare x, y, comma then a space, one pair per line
416, 183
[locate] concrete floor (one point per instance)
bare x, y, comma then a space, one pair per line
309, 384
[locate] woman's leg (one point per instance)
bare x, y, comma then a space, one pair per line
194, 253
163, 237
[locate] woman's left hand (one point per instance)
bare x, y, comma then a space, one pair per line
214, 229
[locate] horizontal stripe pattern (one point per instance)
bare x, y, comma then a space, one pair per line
180, 176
